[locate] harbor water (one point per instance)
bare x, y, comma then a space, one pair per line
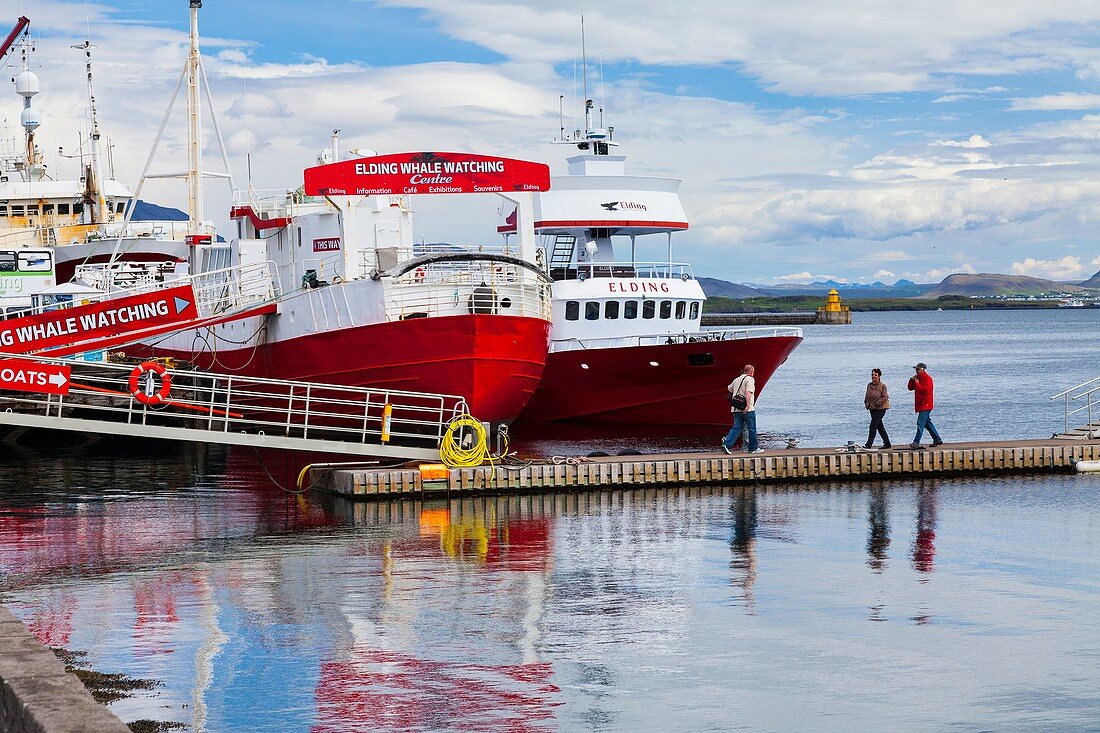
964, 604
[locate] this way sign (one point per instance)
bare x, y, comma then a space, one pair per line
98, 320
29, 376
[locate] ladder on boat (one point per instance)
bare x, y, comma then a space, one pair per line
176, 404
562, 254
1091, 429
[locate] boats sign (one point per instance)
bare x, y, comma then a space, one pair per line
106, 318
419, 173
28, 376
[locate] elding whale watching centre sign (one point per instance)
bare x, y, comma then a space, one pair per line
420, 173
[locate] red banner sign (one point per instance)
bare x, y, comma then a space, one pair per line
97, 320
407, 173
29, 376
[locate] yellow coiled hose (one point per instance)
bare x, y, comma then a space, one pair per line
455, 455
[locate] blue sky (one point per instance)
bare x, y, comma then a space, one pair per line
857, 140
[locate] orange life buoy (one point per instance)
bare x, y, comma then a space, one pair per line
137, 389
419, 274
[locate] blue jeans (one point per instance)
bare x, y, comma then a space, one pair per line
742, 421
924, 420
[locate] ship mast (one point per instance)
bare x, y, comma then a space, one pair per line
194, 126
194, 75
93, 192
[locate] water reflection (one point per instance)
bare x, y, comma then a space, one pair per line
743, 545
924, 542
878, 520
607, 610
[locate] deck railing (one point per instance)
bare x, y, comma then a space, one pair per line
701, 337
204, 403
1068, 396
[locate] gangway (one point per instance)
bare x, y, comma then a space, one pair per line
151, 400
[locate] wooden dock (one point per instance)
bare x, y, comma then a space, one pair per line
698, 469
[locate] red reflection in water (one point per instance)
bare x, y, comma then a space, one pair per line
924, 544
385, 689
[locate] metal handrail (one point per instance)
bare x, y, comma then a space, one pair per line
701, 337
1065, 395
220, 403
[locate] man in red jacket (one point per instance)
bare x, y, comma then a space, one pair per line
921, 385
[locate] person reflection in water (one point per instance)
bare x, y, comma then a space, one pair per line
878, 540
743, 545
924, 544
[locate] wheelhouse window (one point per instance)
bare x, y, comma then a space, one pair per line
649, 308
32, 208
62, 208
694, 310
3, 210
630, 309
572, 310
592, 310
681, 308
120, 207
17, 210
611, 310
47, 208
666, 309
78, 207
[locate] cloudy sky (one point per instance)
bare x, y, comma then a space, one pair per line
857, 139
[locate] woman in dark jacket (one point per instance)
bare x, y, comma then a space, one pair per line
877, 400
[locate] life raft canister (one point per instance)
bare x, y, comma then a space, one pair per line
148, 396
419, 275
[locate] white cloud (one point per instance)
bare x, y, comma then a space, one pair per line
805, 277
1065, 100
1062, 268
974, 141
939, 273
882, 273
791, 46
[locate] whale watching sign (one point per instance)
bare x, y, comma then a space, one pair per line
108, 318
419, 173
28, 376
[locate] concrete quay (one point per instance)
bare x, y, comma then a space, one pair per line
37, 695
795, 466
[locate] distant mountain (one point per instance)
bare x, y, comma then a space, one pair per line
991, 284
145, 211
715, 288
1092, 282
900, 289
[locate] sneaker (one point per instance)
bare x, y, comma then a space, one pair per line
758, 450
937, 443
726, 448
886, 447
914, 446
867, 447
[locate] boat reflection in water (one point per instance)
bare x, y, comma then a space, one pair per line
261, 611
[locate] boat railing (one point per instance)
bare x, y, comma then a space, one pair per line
464, 292
624, 270
1067, 396
665, 339
216, 291
197, 404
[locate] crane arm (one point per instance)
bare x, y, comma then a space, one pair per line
20, 26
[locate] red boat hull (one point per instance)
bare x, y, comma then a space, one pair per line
621, 385
495, 362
